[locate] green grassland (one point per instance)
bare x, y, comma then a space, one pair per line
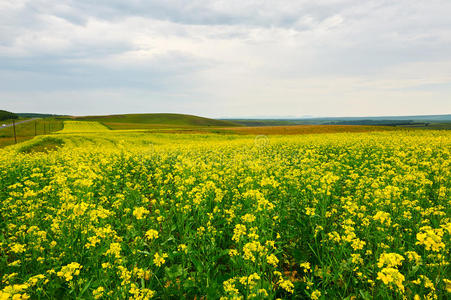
5, 115
9, 121
159, 120
433, 126
28, 130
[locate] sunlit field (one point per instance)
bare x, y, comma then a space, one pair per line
76, 126
90, 213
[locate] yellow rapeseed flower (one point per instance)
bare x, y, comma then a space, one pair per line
152, 234
158, 259
140, 212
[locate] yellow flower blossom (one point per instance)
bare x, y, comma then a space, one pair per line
315, 295
447, 285
382, 217
151, 234
431, 238
391, 276
248, 218
115, 250
69, 271
229, 286
98, 293
390, 260
158, 259
238, 231
140, 212
272, 260
287, 285
306, 266
18, 248
182, 248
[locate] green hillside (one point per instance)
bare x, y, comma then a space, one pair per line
37, 115
5, 115
159, 120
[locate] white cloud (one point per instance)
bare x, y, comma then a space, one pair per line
232, 56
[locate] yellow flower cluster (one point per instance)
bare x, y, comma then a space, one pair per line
248, 218
15, 292
115, 250
69, 271
140, 294
18, 248
382, 217
98, 293
140, 212
390, 260
431, 238
159, 259
152, 234
238, 231
272, 260
391, 276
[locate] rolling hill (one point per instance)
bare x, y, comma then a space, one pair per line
37, 115
156, 120
5, 115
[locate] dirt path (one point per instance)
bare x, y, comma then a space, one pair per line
17, 123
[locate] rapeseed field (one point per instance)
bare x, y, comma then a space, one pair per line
132, 215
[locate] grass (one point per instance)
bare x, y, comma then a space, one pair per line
9, 121
132, 126
28, 130
42, 144
433, 126
150, 121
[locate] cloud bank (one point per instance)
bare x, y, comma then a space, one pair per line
226, 58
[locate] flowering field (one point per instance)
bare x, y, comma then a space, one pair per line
76, 126
116, 215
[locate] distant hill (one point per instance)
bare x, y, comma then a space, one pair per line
37, 115
409, 121
5, 115
160, 120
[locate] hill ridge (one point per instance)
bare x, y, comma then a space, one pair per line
156, 119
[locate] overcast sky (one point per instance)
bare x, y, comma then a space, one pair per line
230, 58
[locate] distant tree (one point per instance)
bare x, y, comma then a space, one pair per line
5, 115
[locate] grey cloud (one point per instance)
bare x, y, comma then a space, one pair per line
232, 12
164, 72
205, 52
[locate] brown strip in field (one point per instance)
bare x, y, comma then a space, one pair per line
251, 130
131, 126
306, 129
